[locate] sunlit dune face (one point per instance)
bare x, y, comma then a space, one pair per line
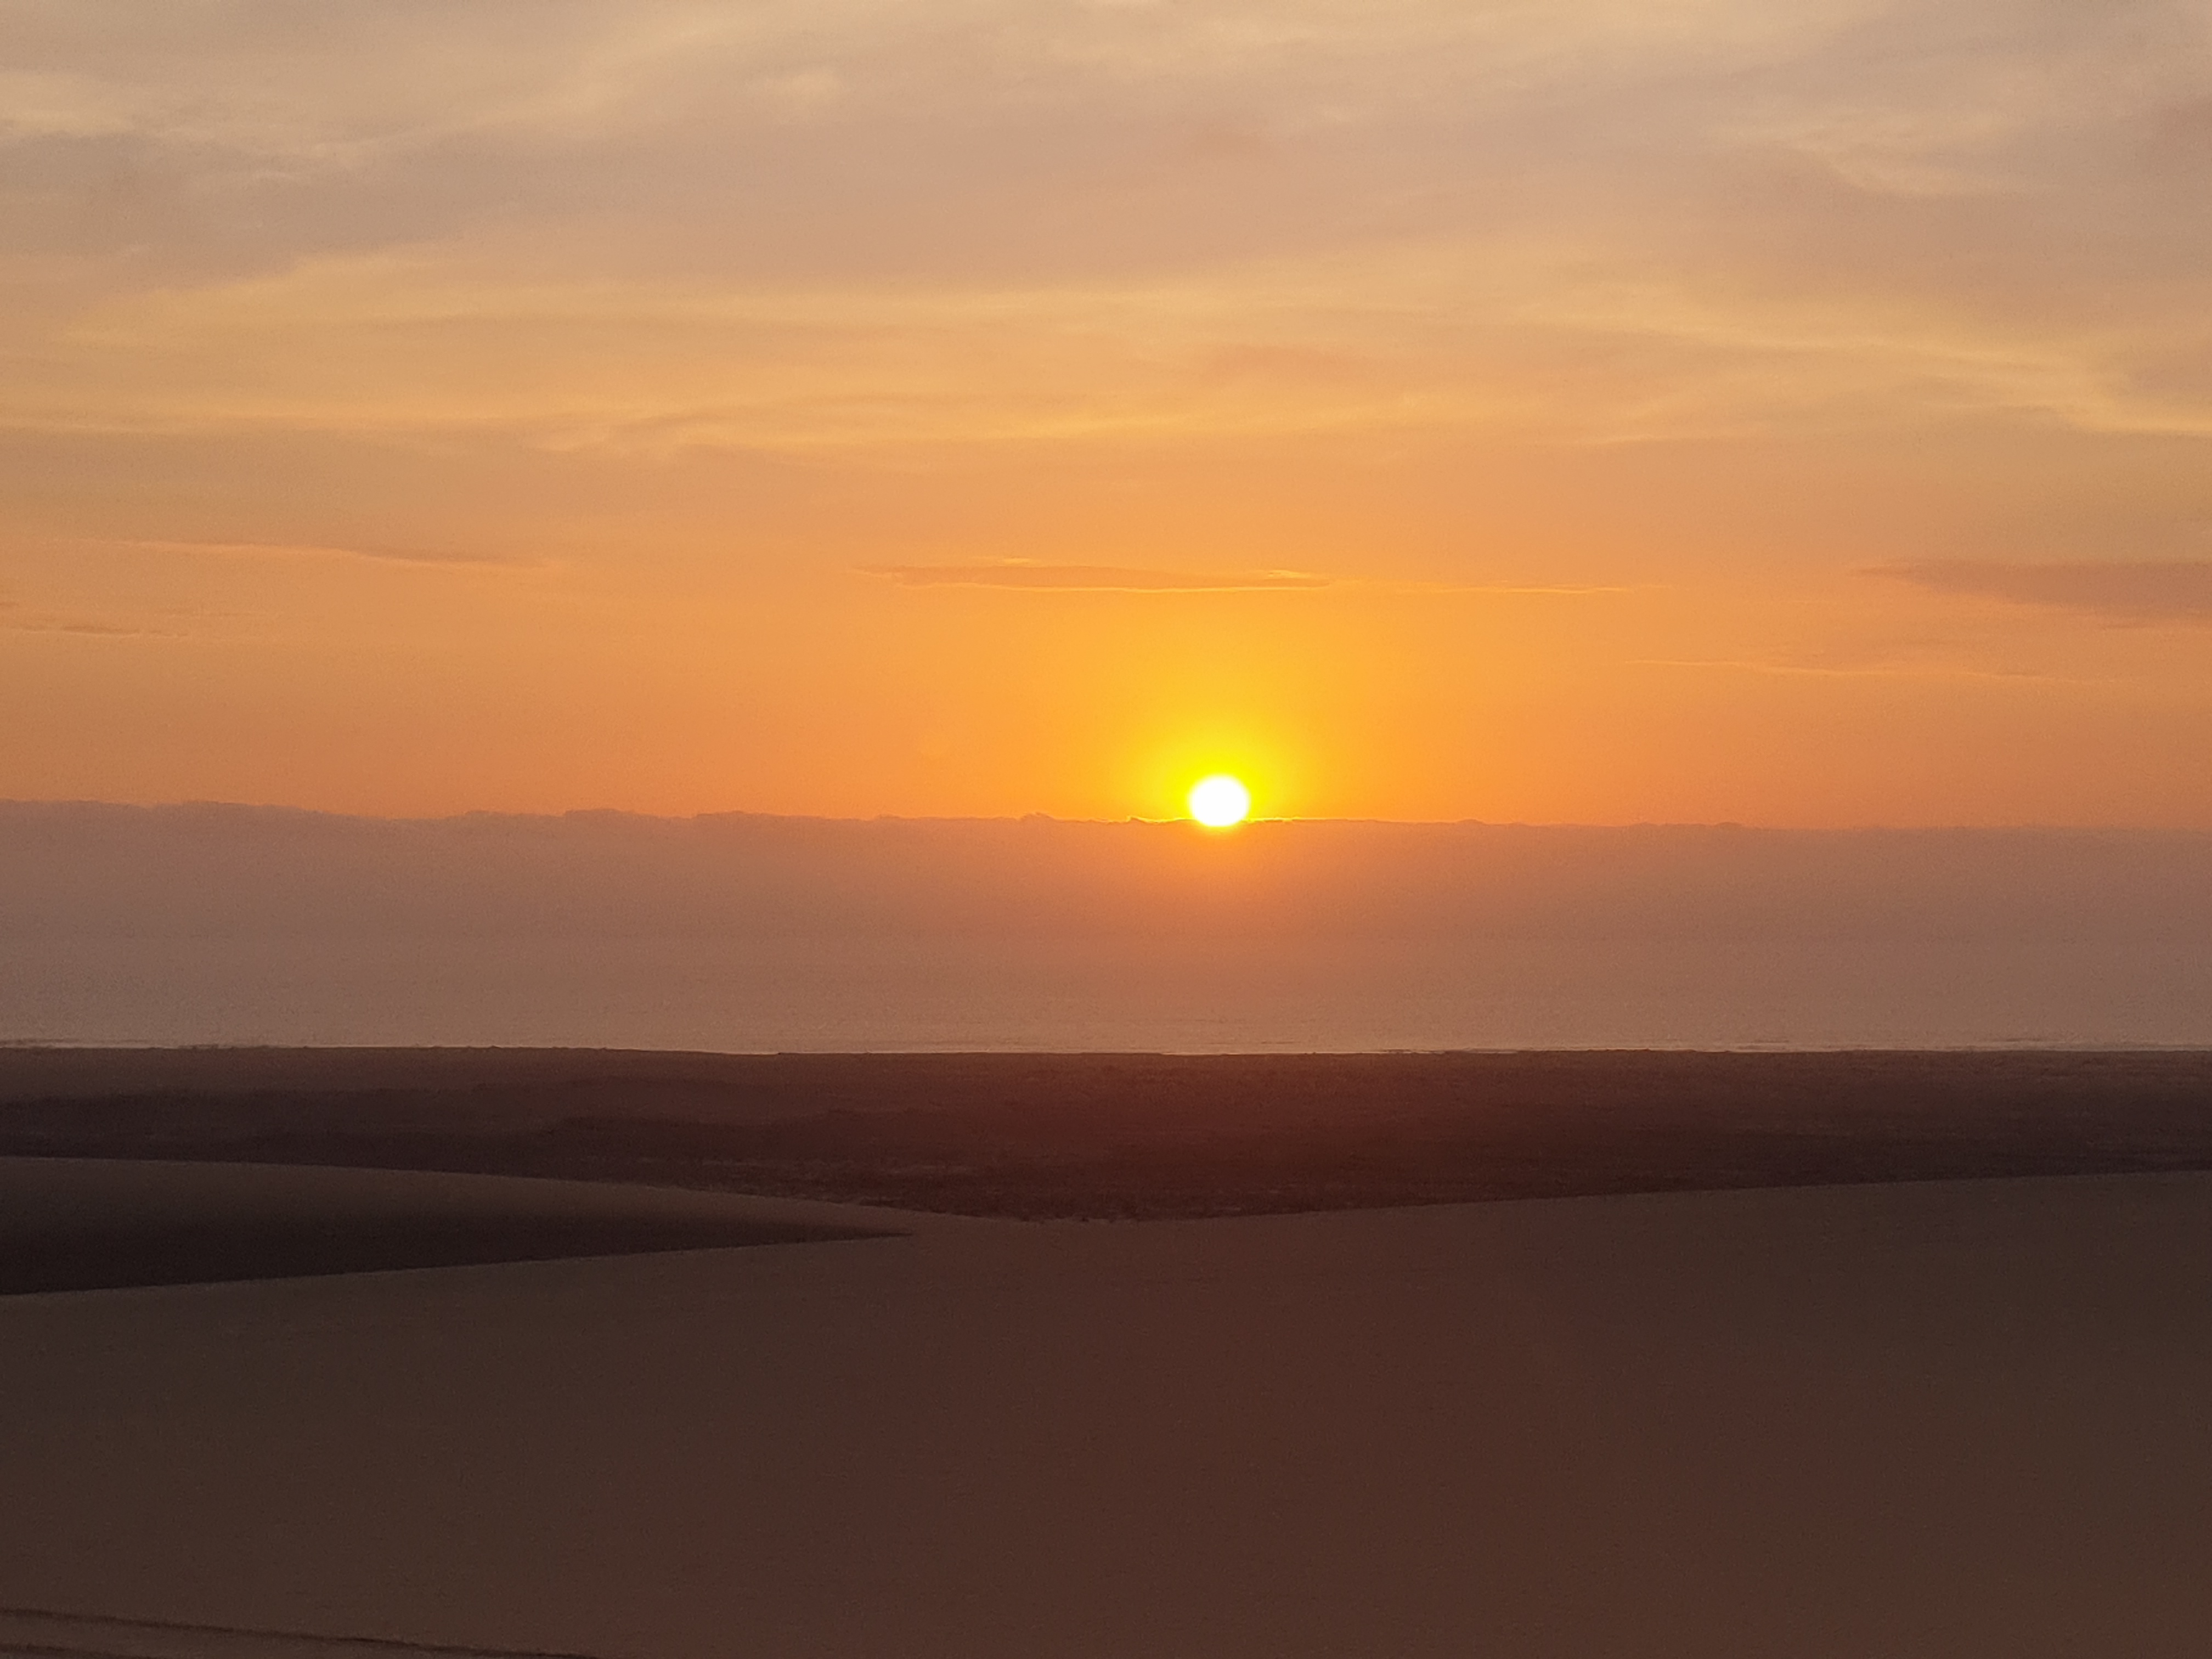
1219, 802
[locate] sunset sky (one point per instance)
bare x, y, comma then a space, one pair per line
1598, 410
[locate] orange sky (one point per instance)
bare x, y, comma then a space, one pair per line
1593, 411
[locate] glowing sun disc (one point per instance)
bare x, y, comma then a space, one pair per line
1219, 801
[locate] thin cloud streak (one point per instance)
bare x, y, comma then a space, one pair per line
1097, 578
1516, 590
87, 628
1887, 671
317, 550
1032, 577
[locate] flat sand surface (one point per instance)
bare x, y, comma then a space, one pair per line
1942, 1419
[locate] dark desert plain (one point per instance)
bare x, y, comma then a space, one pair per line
1105, 828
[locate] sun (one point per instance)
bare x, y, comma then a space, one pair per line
1219, 802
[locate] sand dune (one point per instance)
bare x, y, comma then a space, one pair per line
1961, 1419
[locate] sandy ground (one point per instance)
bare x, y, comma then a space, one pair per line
1955, 1419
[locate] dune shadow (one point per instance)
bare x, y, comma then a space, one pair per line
213, 1252
67, 1225
98, 1636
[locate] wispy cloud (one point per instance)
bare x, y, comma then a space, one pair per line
1855, 668
312, 550
1097, 578
2141, 591
1513, 590
85, 627
1122, 578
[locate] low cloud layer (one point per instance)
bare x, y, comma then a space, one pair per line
199, 924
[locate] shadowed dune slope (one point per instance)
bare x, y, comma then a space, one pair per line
67, 1224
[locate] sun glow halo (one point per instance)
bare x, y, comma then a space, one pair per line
1219, 802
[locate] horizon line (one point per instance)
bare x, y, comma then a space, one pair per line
279, 808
